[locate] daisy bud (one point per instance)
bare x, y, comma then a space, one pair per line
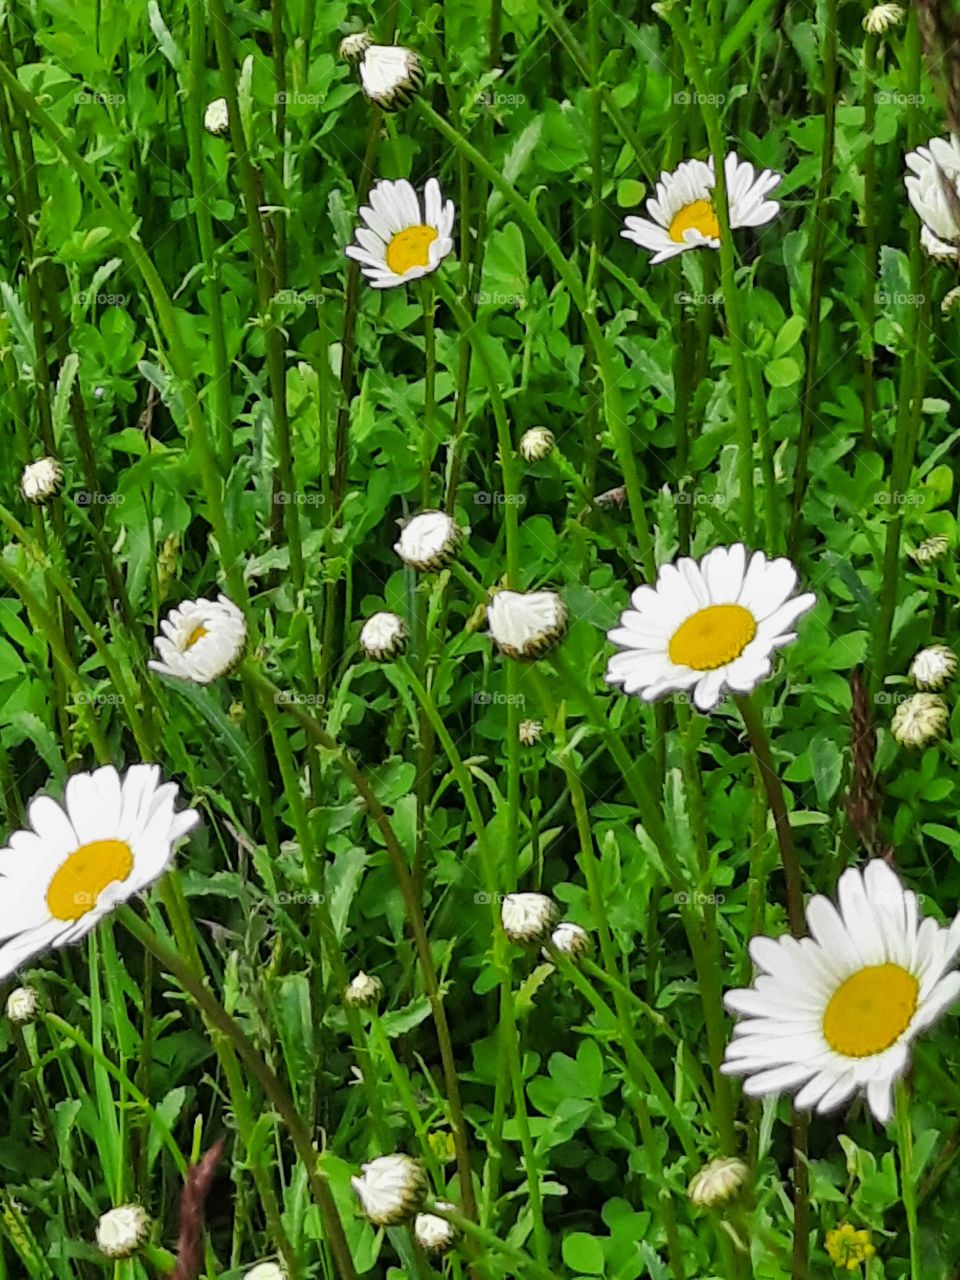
529, 731
570, 940
717, 1183
442, 1145
390, 75
524, 624
950, 301
429, 540
933, 667
383, 637
22, 1005
216, 118
881, 18
920, 720
528, 917
122, 1231
433, 1233
202, 640
391, 1190
364, 991
354, 46
847, 1247
536, 444
41, 480
266, 1271
931, 550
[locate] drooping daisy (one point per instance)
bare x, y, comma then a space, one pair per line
390, 74
528, 917
401, 240
109, 839
881, 18
391, 1189
836, 1013
202, 640
933, 188
383, 636
524, 624
682, 213
433, 1233
429, 540
121, 1231
707, 626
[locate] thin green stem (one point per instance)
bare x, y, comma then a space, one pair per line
908, 1180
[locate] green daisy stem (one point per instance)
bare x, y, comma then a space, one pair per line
908, 1183
869, 303
221, 1021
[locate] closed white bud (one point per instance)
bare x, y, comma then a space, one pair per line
383, 636
524, 624
390, 75
570, 940
22, 1005
718, 1182
266, 1271
433, 1233
354, 46
364, 991
41, 480
933, 667
528, 917
536, 444
216, 118
931, 550
391, 1189
882, 17
122, 1231
920, 720
429, 540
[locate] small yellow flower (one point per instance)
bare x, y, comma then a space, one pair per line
848, 1248
442, 1145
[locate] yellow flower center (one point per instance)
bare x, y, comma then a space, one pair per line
410, 248
698, 216
871, 1010
196, 634
79, 881
712, 637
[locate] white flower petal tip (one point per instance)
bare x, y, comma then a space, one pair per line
882, 18
122, 1231
108, 840
528, 917
707, 626
525, 624
41, 480
718, 1182
435, 1234
835, 1014
681, 214
390, 75
920, 720
202, 640
216, 118
266, 1271
429, 541
934, 667
933, 188
383, 637
529, 732
391, 1189
403, 237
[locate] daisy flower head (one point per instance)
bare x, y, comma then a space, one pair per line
933, 188
435, 1234
121, 1231
41, 480
708, 626
216, 118
109, 839
391, 1189
429, 540
525, 624
682, 214
202, 640
881, 18
390, 75
718, 1182
835, 1013
920, 720
404, 238
934, 667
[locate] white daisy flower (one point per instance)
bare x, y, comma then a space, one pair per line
41, 480
933, 188
122, 1231
383, 636
109, 839
528, 917
390, 74
433, 1233
932, 668
391, 1190
524, 624
920, 720
429, 540
835, 1014
202, 640
216, 118
401, 240
683, 213
22, 1005
707, 626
